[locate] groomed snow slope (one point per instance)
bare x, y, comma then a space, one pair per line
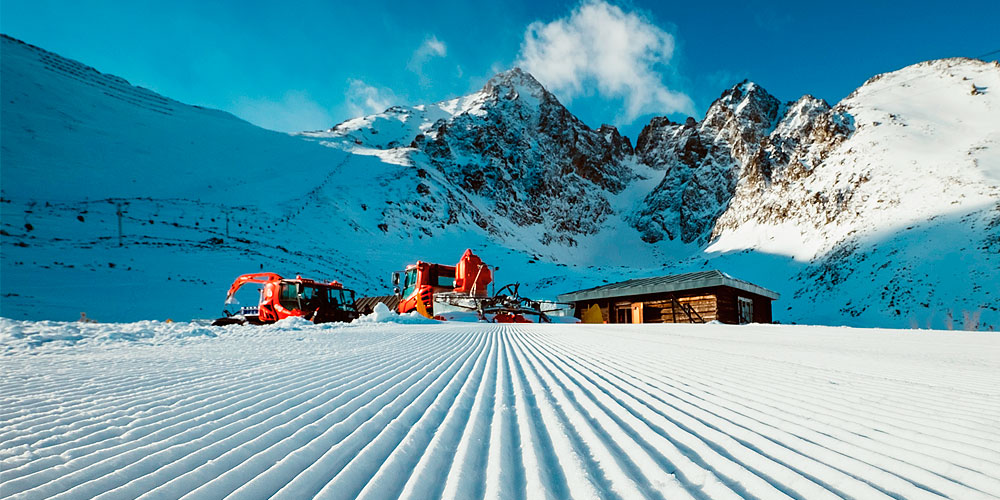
158, 410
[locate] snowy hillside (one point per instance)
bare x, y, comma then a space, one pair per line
297, 411
883, 210
900, 215
914, 144
203, 195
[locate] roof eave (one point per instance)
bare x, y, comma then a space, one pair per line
594, 294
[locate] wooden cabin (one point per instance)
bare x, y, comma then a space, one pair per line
681, 298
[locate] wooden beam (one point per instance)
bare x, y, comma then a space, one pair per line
700, 319
673, 307
687, 311
677, 303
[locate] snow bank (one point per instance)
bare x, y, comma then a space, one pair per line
28, 336
382, 314
16, 335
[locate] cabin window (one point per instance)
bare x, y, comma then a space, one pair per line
347, 303
745, 310
342, 299
289, 296
308, 292
446, 281
409, 282
442, 276
299, 295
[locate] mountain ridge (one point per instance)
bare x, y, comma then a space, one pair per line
852, 212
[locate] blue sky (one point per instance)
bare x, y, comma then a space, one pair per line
314, 64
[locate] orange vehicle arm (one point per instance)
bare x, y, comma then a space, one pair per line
472, 276
250, 278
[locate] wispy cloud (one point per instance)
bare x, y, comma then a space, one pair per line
429, 49
363, 99
621, 53
294, 112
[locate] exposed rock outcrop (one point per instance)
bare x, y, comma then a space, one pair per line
702, 162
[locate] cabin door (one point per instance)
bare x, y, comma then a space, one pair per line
745, 310
637, 312
624, 314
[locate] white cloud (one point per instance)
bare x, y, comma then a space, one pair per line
363, 99
600, 44
431, 48
294, 112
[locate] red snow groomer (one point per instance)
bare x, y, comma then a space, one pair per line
282, 298
461, 292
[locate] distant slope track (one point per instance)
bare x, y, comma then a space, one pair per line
496, 411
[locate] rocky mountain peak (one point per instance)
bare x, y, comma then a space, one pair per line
519, 148
745, 91
517, 80
744, 112
702, 161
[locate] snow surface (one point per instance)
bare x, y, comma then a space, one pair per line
295, 410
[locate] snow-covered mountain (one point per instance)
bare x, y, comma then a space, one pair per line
882, 210
892, 196
513, 147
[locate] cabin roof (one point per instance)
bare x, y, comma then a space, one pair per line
666, 284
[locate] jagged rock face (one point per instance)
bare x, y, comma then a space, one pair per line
533, 159
782, 151
809, 130
742, 117
703, 161
697, 178
803, 139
